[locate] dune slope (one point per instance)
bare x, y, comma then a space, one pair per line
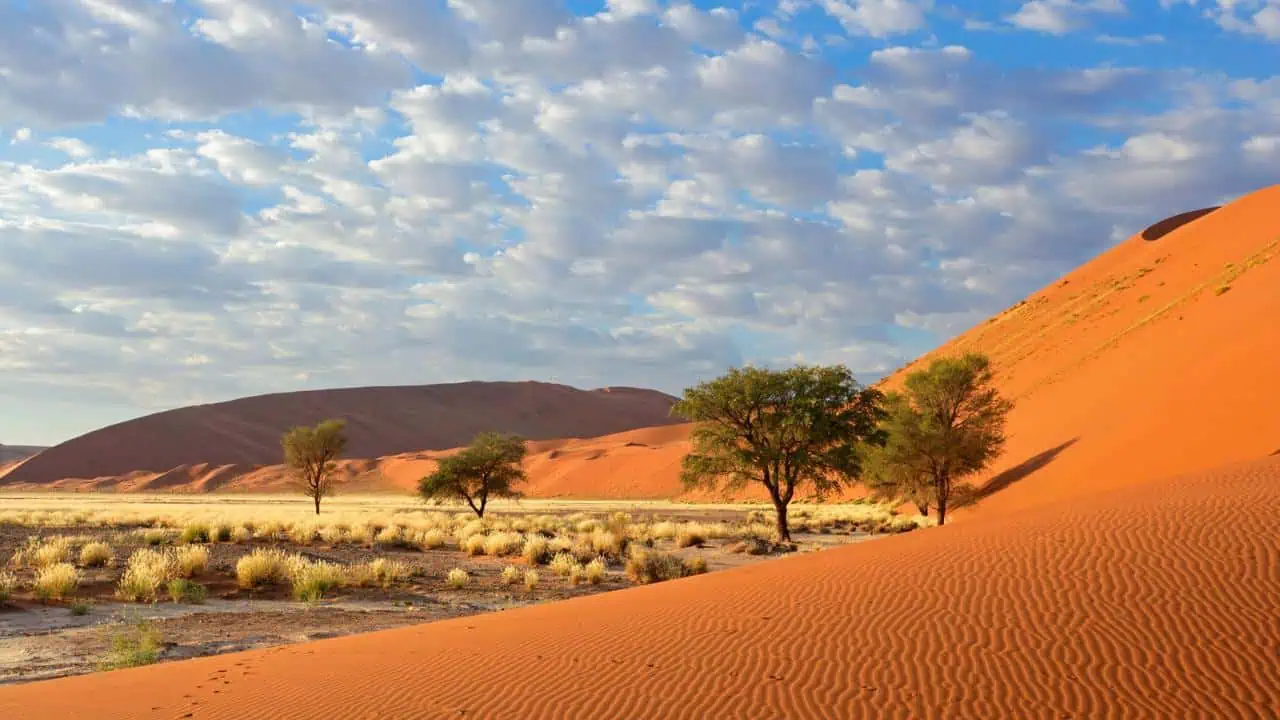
1154, 601
380, 421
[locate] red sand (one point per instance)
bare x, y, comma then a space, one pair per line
1159, 600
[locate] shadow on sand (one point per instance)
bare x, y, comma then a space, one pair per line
1169, 224
1020, 471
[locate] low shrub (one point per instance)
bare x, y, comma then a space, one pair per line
432, 539
54, 551
132, 646
310, 581
562, 564
182, 590
7, 585
530, 579
190, 561
56, 582
503, 544
474, 545
241, 535
221, 532
650, 566
80, 607
262, 567
96, 554
691, 535
332, 534
145, 573
154, 536
536, 550
510, 575
458, 578
595, 571
194, 533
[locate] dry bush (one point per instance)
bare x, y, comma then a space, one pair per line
510, 575
595, 571
221, 532
194, 533
473, 527
363, 533
390, 536
332, 534
610, 544
691, 535
503, 544
577, 574
665, 530
155, 536
302, 533
56, 581
190, 560
380, 572
562, 564
536, 550
309, 581
145, 573
474, 545
139, 645
530, 579
96, 554
264, 566
650, 566
432, 539
7, 585
241, 535
458, 578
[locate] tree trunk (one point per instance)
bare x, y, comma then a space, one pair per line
924, 508
784, 531
317, 503
944, 492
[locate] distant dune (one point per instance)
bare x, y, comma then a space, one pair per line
206, 447
11, 453
1158, 600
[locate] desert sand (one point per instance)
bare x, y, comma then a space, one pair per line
1156, 600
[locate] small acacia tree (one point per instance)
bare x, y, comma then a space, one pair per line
488, 467
947, 425
779, 428
310, 452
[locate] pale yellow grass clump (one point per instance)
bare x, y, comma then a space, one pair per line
96, 554
536, 550
665, 530
692, 535
333, 534
595, 571
503, 544
510, 575
264, 566
650, 566
458, 578
530, 579
190, 560
155, 536
609, 543
474, 544
563, 564
432, 539
241, 534
145, 573
8, 583
380, 572
310, 581
302, 533
57, 581
390, 536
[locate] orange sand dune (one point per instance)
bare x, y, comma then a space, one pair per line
1159, 600
245, 433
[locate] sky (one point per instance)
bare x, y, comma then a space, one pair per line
207, 199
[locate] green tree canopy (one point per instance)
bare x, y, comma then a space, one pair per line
310, 452
783, 429
947, 425
488, 467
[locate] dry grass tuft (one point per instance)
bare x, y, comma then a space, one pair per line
595, 571
474, 545
56, 582
96, 554
190, 560
182, 590
458, 578
145, 573
262, 567
241, 535
650, 566
530, 579
7, 585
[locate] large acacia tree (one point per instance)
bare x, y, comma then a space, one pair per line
783, 429
488, 467
310, 452
946, 425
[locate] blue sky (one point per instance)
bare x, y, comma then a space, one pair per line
204, 200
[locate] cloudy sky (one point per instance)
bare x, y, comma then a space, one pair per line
205, 199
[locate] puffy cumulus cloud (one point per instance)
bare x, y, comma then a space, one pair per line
214, 198
1260, 18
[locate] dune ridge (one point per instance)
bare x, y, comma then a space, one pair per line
1115, 605
156, 451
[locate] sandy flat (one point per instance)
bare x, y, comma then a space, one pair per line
1157, 600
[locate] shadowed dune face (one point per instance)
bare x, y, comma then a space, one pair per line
1157, 601
380, 421
1169, 224
13, 453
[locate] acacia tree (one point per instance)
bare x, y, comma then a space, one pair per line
781, 429
489, 467
947, 425
310, 452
